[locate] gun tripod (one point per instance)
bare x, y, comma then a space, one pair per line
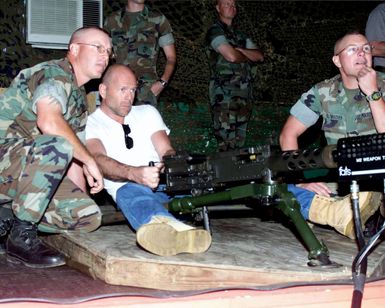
269, 194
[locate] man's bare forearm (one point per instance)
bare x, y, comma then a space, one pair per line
113, 169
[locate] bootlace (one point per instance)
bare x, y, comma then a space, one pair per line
29, 236
5, 226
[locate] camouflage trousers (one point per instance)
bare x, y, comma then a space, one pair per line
33, 175
231, 111
144, 95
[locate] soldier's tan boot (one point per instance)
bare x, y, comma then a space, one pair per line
165, 236
338, 212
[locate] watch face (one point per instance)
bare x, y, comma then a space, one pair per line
376, 96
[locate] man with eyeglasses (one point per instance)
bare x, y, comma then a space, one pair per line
42, 123
124, 140
350, 104
232, 57
138, 32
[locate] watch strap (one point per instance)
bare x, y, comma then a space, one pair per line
164, 83
375, 96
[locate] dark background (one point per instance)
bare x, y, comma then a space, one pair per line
297, 38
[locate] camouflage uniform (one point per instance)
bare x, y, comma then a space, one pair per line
136, 38
32, 165
345, 113
230, 88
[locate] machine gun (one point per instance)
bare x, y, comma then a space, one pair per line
255, 172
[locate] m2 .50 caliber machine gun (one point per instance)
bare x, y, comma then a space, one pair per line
255, 172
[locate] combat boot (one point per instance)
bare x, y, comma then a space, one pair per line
165, 236
375, 223
24, 246
6, 221
338, 212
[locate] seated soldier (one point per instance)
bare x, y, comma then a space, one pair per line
124, 139
350, 104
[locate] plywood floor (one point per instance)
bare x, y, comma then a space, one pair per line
246, 252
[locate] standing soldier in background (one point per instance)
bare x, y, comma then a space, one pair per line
137, 33
232, 56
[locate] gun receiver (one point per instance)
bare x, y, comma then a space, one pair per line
196, 173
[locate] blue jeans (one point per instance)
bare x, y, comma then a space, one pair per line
139, 203
304, 198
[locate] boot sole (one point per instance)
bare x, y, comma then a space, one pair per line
16, 260
164, 240
366, 210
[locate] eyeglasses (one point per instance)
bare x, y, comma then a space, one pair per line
353, 49
101, 49
129, 141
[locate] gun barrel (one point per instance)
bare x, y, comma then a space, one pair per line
300, 160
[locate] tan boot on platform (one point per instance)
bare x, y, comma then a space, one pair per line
338, 212
165, 236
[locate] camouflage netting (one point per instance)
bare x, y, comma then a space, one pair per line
297, 38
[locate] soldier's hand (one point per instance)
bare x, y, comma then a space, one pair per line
94, 176
156, 88
367, 80
318, 187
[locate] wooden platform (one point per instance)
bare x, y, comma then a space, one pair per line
246, 253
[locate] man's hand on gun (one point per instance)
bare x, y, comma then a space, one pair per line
147, 175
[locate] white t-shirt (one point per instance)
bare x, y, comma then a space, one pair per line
144, 121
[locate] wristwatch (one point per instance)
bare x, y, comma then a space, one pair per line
375, 96
164, 83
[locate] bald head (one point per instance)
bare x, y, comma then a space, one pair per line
89, 50
116, 70
117, 90
85, 33
342, 41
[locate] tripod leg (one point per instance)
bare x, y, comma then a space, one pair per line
318, 252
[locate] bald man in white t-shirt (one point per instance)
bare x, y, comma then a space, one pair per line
124, 139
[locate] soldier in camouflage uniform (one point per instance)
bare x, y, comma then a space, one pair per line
137, 34
42, 127
232, 56
350, 104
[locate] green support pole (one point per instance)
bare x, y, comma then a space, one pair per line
290, 207
188, 204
